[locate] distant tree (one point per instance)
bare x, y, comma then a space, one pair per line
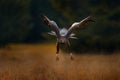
20, 20
14, 20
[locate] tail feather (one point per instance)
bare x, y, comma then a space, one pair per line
52, 33
73, 37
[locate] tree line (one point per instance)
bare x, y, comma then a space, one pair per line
20, 22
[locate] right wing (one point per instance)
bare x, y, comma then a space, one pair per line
51, 24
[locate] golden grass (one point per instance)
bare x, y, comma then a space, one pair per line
37, 62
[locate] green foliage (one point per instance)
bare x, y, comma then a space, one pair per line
20, 22
14, 20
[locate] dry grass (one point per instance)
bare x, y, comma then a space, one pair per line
37, 62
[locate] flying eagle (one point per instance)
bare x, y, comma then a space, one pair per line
63, 34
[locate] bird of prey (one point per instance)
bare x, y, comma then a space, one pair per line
64, 34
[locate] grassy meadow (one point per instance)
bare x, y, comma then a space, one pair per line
38, 62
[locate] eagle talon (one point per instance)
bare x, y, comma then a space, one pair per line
71, 57
57, 58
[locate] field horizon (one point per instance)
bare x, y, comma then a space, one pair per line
38, 62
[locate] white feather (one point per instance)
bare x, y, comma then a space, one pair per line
63, 31
52, 33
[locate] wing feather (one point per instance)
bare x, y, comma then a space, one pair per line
78, 25
51, 24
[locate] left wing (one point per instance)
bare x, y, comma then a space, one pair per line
78, 25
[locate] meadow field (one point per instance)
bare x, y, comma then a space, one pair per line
38, 62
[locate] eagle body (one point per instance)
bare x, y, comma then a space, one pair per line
64, 34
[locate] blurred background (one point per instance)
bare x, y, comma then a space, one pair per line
20, 22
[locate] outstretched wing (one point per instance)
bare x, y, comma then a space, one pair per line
78, 25
51, 24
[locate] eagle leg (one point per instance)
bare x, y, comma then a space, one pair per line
69, 50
